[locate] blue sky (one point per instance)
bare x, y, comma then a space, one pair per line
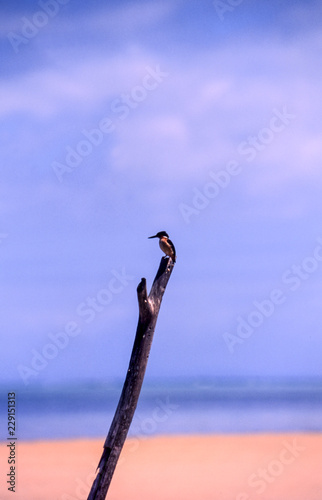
119, 120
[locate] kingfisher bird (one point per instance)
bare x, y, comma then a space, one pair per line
166, 244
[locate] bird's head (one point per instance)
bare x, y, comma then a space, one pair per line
161, 234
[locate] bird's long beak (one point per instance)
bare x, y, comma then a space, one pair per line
155, 236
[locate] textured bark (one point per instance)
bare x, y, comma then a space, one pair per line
149, 307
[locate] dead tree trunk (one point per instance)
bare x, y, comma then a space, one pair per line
148, 313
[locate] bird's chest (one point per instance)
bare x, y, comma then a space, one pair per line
164, 245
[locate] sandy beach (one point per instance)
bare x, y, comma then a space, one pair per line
229, 467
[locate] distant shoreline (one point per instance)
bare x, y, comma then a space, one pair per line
171, 408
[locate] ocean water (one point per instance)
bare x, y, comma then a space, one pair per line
217, 406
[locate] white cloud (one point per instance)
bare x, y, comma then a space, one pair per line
195, 120
130, 18
46, 92
107, 20
114, 21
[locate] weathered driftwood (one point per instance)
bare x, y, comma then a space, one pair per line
148, 313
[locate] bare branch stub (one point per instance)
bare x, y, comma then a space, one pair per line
149, 307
